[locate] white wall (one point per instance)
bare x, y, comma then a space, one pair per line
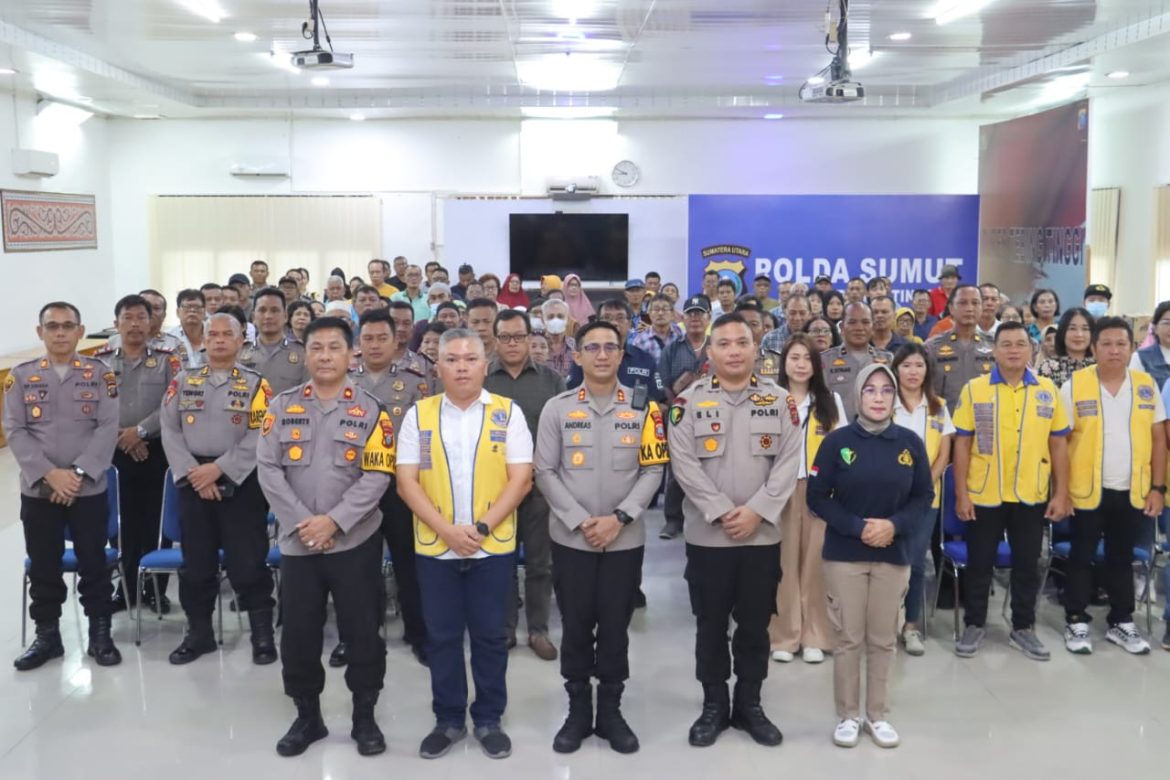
1129, 147
83, 277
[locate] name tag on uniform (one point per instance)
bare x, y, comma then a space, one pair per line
1086, 408
1045, 412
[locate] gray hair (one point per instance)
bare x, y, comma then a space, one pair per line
460, 334
237, 328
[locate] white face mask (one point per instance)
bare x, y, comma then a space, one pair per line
556, 326
537, 323
1097, 308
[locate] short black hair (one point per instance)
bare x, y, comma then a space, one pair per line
335, 323
59, 305
709, 272
854, 279
620, 304
963, 286
466, 269
431, 265
287, 280
481, 303
448, 305
992, 285
762, 278
1160, 312
376, 315
1036, 296
507, 315
365, 288
730, 318
874, 282
190, 295
401, 306
1111, 323
382, 263
259, 262
725, 282
441, 268
919, 291
156, 293
653, 275
598, 325
877, 298
238, 313
130, 301
749, 303
1008, 327
265, 292
435, 327
209, 286
296, 306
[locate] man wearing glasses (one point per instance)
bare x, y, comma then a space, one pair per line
512, 374
192, 308
638, 370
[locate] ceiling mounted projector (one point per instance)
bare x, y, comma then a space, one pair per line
834, 83
319, 58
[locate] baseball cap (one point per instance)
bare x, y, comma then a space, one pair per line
701, 302
822, 278
635, 284
238, 279
950, 270
1099, 289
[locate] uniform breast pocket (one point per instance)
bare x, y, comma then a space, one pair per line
295, 446
765, 436
579, 452
85, 404
36, 410
347, 446
625, 453
710, 438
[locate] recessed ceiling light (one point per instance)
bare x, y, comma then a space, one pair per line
773, 116
245, 37
7, 72
357, 117
774, 77
814, 80
1118, 74
899, 36
320, 81
569, 73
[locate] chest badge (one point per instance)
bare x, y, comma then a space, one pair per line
295, 452
849, 456
35, 412
293, 358
190, 419
578, 458
151, 362
351, 454
710, 445
905, 458
398, 385
295, 435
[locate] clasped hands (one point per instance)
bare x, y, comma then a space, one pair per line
878, 532
317, 532
740, 523
132, 444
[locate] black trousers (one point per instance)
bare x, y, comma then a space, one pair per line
140, 495
595, 593
237, 525
1025, 534
739, 583
354, 579
673, 501
398, 530
44, 542
1118, 522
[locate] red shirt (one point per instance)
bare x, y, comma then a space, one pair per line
938, 301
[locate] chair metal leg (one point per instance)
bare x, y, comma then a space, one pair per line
122, 582
157, 595
942, 570
138, 607
958, 601
219, 611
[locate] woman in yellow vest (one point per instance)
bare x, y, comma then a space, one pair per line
464, 464
921, 410
801, 621
1117, 458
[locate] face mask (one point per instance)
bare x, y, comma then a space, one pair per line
1097, 308
434, 310
556, 326
537, 323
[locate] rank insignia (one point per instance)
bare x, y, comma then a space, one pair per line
578, 459
295, 452
710, 445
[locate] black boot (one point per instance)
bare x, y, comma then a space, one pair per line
365, 732
611, 725
263, 643
305, 730
46, 645
199, 640
713, 720
101, 644
338, 657
579, 724
749, 716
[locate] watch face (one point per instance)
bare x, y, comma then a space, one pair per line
625, 174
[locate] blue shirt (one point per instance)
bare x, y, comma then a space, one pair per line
857, 475
636, 367
922, 329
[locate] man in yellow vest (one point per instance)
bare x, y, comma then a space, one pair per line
1117, 453
464, 465
1011, 428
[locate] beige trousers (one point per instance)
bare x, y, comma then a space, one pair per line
864, 604
801, 619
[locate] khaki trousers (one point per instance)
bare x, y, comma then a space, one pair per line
801, 618
864, 603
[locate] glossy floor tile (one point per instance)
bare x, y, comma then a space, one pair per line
220, 716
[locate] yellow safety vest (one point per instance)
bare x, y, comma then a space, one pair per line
981, 415
491, 475
1087, 442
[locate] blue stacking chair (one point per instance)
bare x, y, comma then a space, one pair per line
273, 558
1061, 549
69, 557
953, 547
167, 561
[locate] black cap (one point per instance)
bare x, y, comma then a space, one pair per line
1099, 289
238, 279
822, 278
701, 302
950, 270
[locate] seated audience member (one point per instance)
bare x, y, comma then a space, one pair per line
904, 325
762, 287
663, 330
430, 340
560, 345
491, 289
300, 314
823, 333
538, 348
924, 321
1045, 309
816, 302
466, 279
1073, 346
948, 280
513, 295
414, 293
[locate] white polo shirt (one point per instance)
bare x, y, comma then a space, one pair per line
916, 419
1115, 410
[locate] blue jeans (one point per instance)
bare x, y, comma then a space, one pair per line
919, 543
467, 596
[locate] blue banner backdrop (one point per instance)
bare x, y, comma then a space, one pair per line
796, 238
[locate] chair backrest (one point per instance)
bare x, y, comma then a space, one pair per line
169, 526
951, 524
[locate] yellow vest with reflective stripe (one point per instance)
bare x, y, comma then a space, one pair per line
1087, 441
491, 475
933, 442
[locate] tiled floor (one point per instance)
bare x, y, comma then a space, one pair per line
1075, 717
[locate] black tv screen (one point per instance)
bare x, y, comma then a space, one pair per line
596, 247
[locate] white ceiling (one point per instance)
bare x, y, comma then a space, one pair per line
672, 58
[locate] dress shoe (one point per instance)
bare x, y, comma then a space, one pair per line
198, 641
101, 645
338, 657
305, 730
579, 723
263, 640
611, 726
714, 719
542, 646
160, 606
46, 646
365, 731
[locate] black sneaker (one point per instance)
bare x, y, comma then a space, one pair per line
1166, 639
439, 742
670, 530
494, 741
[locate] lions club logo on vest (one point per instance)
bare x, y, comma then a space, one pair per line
500, 418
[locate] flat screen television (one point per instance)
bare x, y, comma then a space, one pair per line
596, 247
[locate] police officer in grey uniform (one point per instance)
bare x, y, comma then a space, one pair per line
211, 419
143, 375
964, 353
767, 362
599, 462
276, 356
842, 364
325, 458
61, 419
735, 443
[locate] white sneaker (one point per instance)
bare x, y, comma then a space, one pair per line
783, 657
883, 733
1125, 635
912, 641
811, 655
848, 733
1076, 639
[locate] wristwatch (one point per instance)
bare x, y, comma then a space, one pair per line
79, 471
622, 517
1159, 488
140, 431
482, 529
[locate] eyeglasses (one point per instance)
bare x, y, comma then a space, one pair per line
614, 318
54, 327
191, 307
820, 332
874, 392
593, 349
512, 338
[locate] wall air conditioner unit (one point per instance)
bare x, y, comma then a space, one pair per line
574, 187
279, 167
31, 162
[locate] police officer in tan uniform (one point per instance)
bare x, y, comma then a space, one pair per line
211, 418
599, 462
325, 458
842, 364
964, 353
143, 374
276, 356
61, 419
735, 444
767, 363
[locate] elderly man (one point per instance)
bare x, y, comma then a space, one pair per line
560, 345
414, 294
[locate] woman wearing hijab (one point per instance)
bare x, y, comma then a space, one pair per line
871, 484
513, 295
580, 307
